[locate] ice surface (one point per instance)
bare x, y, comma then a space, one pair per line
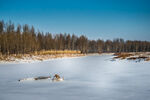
86, 78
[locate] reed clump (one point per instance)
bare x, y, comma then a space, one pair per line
42, 55
133, 56
122, 55
53, 52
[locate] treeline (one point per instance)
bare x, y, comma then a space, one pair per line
24, 39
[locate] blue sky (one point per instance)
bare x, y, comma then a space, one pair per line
104, 19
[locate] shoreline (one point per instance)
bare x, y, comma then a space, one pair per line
38, 58
28, 58
133, 56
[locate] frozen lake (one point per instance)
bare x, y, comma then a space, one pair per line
86, 78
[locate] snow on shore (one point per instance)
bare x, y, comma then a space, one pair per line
37, 58
134, 56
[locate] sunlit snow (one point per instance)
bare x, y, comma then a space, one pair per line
85, 78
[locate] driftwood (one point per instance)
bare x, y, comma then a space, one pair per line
35, 78
56, 77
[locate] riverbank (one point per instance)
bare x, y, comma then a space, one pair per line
135, 56
45, 56
39, 56
28, 58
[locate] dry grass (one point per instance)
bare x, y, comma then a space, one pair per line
122, 55
3, 57
133, 56
53, 52
42, 55
148, 59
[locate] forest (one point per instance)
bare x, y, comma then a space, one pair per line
23, 39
